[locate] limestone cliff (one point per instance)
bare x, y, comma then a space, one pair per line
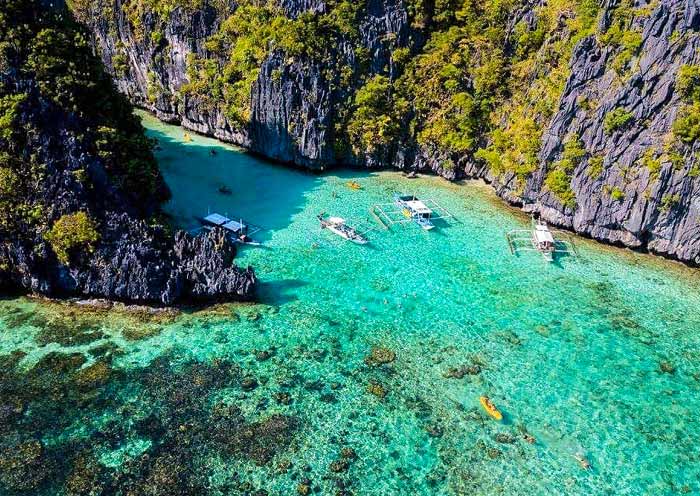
79, 187
392, 83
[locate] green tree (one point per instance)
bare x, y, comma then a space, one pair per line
70, 233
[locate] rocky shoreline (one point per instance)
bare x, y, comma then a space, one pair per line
80, 190
294, 105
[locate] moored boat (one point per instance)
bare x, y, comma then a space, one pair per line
416, 210
239, 231
340, 227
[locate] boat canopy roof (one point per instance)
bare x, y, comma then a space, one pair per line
336, 220
216, 219
543, 235
234, 226
418, 207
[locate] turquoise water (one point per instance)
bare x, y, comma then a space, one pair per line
596, 356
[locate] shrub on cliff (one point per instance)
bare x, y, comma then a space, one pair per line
559, 183
70, 233
687, 125
558, 179
688, 82
9, 111
616, 120
376, 117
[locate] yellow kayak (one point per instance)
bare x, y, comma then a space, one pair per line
354, 185
490, 408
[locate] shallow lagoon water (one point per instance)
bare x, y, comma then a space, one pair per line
596, 356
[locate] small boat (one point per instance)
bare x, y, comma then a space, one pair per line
339, 226
238, 231
225, 190
490, 408
539, 238
213, 152
354, 185
411, 175
543, 240
582, 461
412, 208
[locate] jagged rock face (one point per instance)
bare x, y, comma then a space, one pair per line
637, 220
291, 116
133, 261
292, 102
294, 108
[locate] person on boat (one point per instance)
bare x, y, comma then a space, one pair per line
585, 464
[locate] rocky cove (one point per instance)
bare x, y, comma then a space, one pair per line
80, 190
359, 370
355, 369
630, 184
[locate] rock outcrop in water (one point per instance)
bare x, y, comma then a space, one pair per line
79, 187
402, 84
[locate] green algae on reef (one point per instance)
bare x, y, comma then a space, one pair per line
361, 370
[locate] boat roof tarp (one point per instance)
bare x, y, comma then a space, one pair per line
543, 235
217, 219
418, 207
234, 226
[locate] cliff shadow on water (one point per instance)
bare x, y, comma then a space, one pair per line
206, 175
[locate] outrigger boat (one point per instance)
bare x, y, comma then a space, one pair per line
340, 227
541, 239
416, 210
239, 231
410, 209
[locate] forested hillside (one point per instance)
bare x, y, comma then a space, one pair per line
587, 112
80, 189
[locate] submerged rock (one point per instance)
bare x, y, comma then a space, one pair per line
348, 453
24, 466
462, 370
304, 487
338, 466
380, 356
93, 376
504, 438
667, 367
260, 441
376, 389
249, 383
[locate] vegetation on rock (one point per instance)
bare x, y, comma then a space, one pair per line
54, 68
72, 232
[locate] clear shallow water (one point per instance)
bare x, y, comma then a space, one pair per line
596, 356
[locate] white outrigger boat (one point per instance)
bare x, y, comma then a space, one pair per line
410, 209
540, 239
340, 227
